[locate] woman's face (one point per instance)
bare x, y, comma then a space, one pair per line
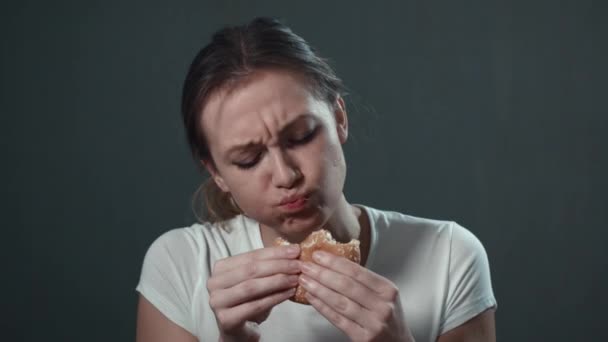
273, 141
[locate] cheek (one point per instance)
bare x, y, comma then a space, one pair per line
246, 186
329, 166
251, 200
243, 186
335, 168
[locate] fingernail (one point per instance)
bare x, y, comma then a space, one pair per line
293, 250
294, 265
306, 267
319, 256
293, 280
305, 281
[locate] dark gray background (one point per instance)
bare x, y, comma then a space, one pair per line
492, 114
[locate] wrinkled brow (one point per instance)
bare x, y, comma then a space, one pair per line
253, 144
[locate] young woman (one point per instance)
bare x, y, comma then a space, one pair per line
265, 116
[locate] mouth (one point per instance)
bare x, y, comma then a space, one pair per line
294, 203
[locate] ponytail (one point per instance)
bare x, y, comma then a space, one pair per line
218, 205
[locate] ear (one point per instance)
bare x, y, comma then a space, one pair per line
341, 119
215, 175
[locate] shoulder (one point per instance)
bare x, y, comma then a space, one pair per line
171, 274
397, 222
204, 240
459, 241
177, 264
178, 240
463, 240
467, 254
393, 220
175, 251
394, 232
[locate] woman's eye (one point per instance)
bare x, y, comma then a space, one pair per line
303, 140
248, 164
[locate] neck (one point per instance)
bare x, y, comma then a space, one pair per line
344, 223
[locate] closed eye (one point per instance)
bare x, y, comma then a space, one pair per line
249, 164
303, 140
290, 143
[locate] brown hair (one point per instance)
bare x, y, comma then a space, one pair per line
234, 53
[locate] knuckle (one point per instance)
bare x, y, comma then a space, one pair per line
255, 255
343, 283
254, 308
248, 287
277, 252
376, 330
210, 285
221, 317
257, 307
336, 318
213, 301
391, 292
386, 312
360, 292
218, 265
360, 277
251, 270
342, 305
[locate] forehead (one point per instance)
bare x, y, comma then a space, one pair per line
257, 108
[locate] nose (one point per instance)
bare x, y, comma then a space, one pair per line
284, 174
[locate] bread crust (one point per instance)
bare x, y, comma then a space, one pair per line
323, 241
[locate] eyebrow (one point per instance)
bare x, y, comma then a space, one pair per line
251, 144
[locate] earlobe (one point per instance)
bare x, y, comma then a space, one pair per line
219, 181
221, 184
341, 119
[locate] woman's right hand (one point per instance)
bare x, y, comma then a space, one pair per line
244, 288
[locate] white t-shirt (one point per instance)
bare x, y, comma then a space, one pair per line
440, 268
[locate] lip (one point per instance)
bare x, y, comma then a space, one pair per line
292, 199
295, 205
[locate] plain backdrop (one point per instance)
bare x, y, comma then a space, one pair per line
492, 114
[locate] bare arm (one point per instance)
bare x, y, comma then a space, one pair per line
153, 326
481, 328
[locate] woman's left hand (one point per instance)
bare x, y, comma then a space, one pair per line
361, 303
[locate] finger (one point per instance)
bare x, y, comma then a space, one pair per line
251, 289
343, 285
349, 327
231, 318
251, 270
373, 281
261, 317
223, 265
339, 303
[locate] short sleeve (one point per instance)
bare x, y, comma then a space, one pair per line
169, 276
469, 281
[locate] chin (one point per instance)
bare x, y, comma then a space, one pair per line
297, 229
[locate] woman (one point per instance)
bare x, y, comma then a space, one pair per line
265, 117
